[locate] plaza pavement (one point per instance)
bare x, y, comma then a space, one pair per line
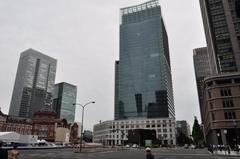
225, 153
162, 153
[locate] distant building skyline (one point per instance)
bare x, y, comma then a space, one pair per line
63, 33
183, 127
64, 97
143, 81
202, 70
34, 83
222, 30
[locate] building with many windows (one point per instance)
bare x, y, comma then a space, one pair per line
202, 69
221, 109
15, 124
221, 19
44, 123
34, 83
64, 97
220, 98
143, 82
183, 127
115, 132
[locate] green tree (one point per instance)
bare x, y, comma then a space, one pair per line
197, 133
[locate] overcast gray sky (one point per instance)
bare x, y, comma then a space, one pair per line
83, 35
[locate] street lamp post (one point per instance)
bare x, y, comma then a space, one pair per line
235, 129
218, 136
225, 135
204, 135
83, 106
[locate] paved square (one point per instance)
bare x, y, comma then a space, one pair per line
126, 154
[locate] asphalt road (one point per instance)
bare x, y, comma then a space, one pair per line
126, 154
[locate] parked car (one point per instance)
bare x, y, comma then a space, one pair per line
134, 146
193, 146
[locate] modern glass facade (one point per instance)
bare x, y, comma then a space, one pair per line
64, 97
34, 83
143, 83
221, 20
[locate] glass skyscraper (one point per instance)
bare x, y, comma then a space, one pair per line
34, 83
64, 97
143, 82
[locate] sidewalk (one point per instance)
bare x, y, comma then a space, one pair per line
232, 153
95, 150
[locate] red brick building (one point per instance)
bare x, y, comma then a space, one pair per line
44, 123
16, 124
221, 109
74, 133
3, 119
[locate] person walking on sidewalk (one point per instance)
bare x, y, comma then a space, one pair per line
237, 149
149, 154
228, 149
3, 152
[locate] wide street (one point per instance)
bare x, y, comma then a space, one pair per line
126, 154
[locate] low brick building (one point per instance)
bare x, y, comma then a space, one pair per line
221, 109
74, 133
44, 123
15, 124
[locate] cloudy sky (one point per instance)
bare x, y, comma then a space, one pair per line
83, 35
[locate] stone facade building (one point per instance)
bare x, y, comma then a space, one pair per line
15, 124
114, 132
221, 109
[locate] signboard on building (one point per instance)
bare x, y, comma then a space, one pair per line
148, 143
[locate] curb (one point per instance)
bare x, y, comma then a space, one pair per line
225, 155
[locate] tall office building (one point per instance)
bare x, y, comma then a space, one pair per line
219, 110
202, 70
143, 82
64, 97
221, 20
34, 83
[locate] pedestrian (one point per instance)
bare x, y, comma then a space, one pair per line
229, 149
210, 148
14, 153
149, 154
237, 149
3, 152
